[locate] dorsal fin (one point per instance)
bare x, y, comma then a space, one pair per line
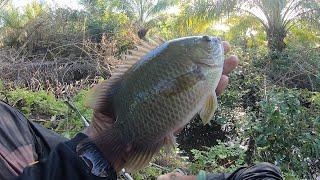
144, 47
100, 97
158, 40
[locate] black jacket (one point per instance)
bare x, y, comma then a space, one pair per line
63, 163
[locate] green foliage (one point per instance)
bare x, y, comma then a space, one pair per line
1, 85
53, 113
149, 172
298, 66
79, 101
303, 33
144, 14
206, 11
112, 24
286, 131
62, 32
277, 17
164, 162
189, 22
283, 123
245, 31
315, 99
13, 23
41, 103
110, 15
272, 101
72, 123
97, 7
219, 158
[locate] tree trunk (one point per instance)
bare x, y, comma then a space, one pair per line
276, 40
249, 158
142, 33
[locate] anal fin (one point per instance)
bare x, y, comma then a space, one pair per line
141, 154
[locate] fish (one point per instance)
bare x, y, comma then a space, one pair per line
159, 89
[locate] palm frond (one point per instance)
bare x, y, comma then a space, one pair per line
209, 10
159, 7
143, 11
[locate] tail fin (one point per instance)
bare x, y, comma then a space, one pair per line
141, 153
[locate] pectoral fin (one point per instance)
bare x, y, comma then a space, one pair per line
210, 106
182, 82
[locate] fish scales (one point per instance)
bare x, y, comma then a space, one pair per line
160, 94
156, 112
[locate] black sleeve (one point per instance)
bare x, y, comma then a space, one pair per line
261, 171
63, 163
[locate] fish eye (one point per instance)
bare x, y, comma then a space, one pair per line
206, 38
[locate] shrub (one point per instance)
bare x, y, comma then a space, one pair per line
36, 103
219, 158
297, 67
286, 131
43, 107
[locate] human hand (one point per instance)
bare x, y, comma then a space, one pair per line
230, 64
176, 176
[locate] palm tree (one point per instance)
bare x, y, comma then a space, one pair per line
276, 16
144, 13
14, 24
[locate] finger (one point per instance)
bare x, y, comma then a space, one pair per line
226, 46
164, 177
169, 176
229, 64
223, 83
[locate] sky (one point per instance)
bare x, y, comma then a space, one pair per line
73, 4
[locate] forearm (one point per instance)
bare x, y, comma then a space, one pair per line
258, 171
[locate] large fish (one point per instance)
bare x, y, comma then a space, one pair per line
156, 93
